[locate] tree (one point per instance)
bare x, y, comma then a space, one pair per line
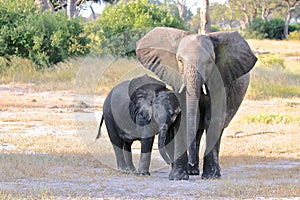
184, 12
221, 15
268, 7
205, 23
291, 6
121, 25
243, 6
70, 6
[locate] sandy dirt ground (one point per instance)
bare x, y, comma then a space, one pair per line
47, 151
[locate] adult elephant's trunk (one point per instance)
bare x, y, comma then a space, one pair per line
193, 85
192, 103
162, 145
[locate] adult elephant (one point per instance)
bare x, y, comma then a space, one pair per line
213, 70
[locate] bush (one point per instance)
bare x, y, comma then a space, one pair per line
266, 29
56, 38
44, 38
215, 28
121, 25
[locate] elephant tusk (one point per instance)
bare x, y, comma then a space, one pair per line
182, 85
181, 88
204, 89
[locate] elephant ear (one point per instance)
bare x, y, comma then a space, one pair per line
157, 52
146, 83
234, 57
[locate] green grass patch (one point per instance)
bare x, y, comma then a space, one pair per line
271, 61
267, 83
270, 118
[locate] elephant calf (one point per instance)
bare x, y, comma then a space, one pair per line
137, 110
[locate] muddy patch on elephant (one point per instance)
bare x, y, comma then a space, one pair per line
43, 156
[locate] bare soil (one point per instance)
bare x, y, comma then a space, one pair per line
47, 152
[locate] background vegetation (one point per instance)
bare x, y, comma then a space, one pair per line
41, 44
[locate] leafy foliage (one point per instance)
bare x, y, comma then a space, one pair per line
263, 28
44, 38
120, 26
56, 38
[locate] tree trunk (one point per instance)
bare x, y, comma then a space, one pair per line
291, 6
247, 21
182, 9
44, 5
287, 23
71, 8
205, 24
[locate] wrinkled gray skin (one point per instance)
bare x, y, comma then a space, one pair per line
212, 73
151, 108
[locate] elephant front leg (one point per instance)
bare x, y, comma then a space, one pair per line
179, 168
211, 166
193, 169
145, 157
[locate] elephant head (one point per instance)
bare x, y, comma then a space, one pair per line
166, 108
191, 60
152, 103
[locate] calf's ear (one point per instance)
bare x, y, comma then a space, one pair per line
145, 83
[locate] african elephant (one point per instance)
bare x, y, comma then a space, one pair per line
213, 70
137, 110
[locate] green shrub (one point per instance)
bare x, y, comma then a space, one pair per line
256, 29
215, 28
295, 35
56, 38
44, 38
120, 26
266, 29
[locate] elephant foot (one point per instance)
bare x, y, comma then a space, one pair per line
213, 173
130, 169
193, 169
126, 170
178, 175
142, 173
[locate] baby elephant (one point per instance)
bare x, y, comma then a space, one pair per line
137, 110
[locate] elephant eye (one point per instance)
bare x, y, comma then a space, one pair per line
180, 62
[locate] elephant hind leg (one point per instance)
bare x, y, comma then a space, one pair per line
118, 144
121, 163
128, 156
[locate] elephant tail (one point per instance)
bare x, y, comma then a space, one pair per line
99, 131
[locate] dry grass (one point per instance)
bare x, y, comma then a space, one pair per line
275, 46
251, 154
